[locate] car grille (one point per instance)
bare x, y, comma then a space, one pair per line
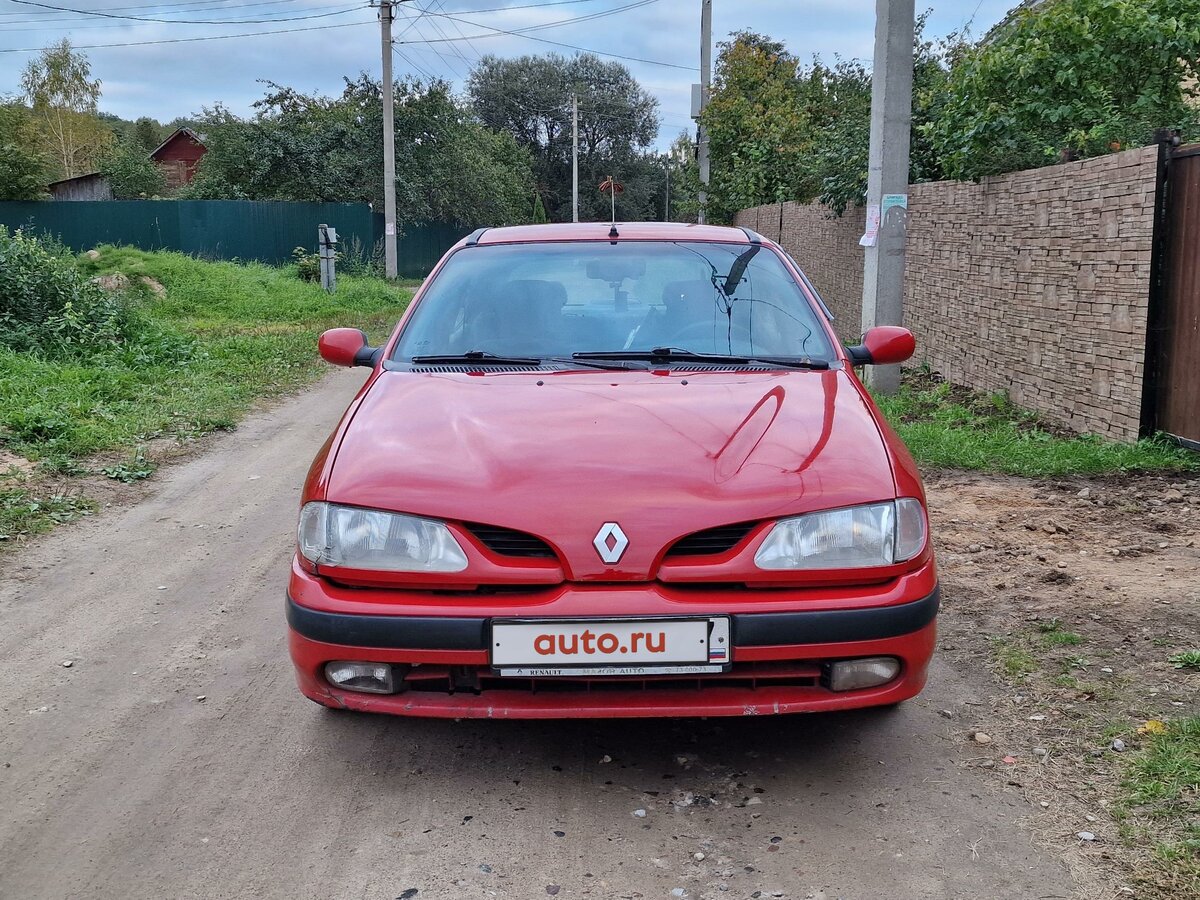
711, 541
479, 680
509, 542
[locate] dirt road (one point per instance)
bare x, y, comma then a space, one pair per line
174, 757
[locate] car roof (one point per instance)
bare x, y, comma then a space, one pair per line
601, 231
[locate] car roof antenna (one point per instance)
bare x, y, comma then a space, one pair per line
612, 187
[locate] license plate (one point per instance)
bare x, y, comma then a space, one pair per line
599, 647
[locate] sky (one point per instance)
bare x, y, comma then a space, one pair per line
661, 38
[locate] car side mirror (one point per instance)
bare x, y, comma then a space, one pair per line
884, 345
347, 347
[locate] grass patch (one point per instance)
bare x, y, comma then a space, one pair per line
1054, 635
244, 332
1188, 659
24, 513
1017, 662
150, 363
949, 427
1162, 786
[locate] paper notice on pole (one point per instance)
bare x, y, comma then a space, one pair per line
390, 229
894, 201
871, 237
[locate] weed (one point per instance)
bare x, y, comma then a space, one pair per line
137, 468
23, 513
1188, 659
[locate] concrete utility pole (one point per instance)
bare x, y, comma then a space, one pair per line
667, 195
705, 84
887, 180
574, 157
390, 267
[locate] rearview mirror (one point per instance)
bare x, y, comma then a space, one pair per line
884, 345
346, 347
614, 271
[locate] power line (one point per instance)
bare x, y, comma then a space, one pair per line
190, 4
523, 33
191, 40
105, 15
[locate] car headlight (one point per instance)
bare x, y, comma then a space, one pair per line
853, 538
353, 538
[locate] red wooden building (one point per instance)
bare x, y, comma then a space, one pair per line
178, 155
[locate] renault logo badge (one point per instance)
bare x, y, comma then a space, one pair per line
610, 543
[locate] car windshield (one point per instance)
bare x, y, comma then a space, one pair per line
558, 299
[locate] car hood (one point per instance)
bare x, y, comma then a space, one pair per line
560, 454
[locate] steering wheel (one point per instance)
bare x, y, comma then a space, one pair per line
738, 334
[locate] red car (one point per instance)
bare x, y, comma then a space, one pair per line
613, 471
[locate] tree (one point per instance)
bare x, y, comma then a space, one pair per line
1075, 77
59, 87
22, 167
760, 135
782, 131
130, 172
147, 134
539, 210
530, 98
305, 147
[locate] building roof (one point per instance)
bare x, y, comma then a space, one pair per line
195, 136
82, 177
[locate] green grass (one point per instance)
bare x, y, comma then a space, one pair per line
252, 334
1053, 635
947, 427
1016, 661
227, 336
1162, 786
24, 513
1188, 659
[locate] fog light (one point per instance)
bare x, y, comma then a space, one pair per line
855, 674
370, 678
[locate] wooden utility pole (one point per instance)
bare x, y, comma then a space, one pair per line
887, 178
390, 266
705, 84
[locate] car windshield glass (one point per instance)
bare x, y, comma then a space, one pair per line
557, 299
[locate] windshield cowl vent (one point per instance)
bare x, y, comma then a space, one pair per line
484, 368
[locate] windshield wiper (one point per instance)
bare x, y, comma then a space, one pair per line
476, 356
677, 354
614, 365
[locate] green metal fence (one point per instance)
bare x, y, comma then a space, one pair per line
266, 231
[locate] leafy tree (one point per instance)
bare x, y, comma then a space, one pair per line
1081, 77
530, 98
22, 168
760, 133
302, 147
781, 131
130, 171
147, 134
59, 87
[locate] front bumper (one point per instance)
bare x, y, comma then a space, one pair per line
779, 650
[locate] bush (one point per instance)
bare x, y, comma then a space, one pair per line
308, 265
48, 307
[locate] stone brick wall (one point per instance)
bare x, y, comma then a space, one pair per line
1033, 284
826, 247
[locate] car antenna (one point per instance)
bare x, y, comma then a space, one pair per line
612, 187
